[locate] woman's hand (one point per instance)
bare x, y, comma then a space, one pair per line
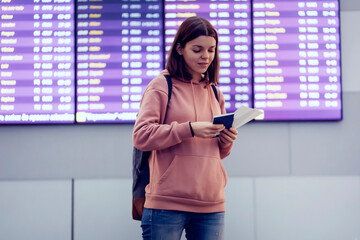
228, 136
206, 129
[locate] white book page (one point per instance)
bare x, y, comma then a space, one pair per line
244, 114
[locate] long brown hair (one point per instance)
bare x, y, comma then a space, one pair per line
190, 29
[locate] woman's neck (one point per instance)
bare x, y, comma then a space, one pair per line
196, 78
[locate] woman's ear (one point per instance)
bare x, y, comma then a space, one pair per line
179, 49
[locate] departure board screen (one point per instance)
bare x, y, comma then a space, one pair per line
232, 20
297, 59
37, 62
89, 61
119, 51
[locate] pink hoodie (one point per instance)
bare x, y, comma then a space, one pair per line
186, 173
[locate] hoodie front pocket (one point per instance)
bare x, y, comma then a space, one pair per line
195, 177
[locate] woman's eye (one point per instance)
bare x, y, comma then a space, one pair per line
196, 51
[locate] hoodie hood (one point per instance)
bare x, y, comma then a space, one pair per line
206, 85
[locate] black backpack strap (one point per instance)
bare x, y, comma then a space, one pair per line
215, 91
169, 83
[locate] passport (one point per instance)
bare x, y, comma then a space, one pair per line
226, 119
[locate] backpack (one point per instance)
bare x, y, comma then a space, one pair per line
141, 171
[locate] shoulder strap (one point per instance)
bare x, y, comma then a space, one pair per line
169, 83
215, 91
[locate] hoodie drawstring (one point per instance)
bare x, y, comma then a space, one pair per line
210, 93
193, 95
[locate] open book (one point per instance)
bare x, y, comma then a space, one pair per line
238, 118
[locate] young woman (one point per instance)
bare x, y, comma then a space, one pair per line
187, 177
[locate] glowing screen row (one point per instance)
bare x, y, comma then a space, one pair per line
90, 61
37, 61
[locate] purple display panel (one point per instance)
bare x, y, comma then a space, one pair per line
297, 59
119, 51
232, 20
37, 62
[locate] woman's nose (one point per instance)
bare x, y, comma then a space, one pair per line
205, 55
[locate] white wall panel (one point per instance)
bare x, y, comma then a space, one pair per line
350, 50
314, 208
239, 204
349, 5
65, 152
35, 210
103, 210
328, 148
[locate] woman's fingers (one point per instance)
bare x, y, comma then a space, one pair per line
206, 129
228, 135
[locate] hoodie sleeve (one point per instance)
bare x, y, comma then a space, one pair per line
149, 132
225, 149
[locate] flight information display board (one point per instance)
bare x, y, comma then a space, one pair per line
37, 62
89, 61
232, 20
119, 51
297, 59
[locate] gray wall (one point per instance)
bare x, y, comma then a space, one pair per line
287, 180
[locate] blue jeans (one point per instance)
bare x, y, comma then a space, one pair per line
169, 225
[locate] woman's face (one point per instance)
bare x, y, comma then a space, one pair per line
198, 55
